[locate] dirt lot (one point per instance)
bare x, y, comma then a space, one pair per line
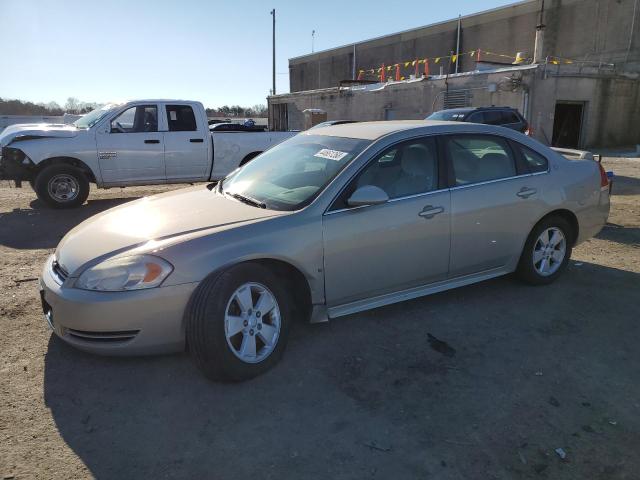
527, 370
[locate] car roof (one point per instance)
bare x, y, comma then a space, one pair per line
374, 130
472, 109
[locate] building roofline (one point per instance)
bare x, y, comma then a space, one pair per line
415, 29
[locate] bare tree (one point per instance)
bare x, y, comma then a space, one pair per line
72, 105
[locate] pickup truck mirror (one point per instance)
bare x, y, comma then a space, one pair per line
368, 195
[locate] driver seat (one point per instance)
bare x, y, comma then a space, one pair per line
418, 172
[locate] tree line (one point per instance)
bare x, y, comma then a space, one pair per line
19, 107
238, 111
75, 106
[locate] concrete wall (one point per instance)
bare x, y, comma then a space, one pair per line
612, 102
596, 30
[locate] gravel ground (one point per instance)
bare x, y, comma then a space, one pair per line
518, 373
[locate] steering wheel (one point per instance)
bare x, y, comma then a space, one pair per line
120, 128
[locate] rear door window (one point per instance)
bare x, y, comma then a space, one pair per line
477, 117
479, 158
181, 118
509, 117
535, 162
493, 117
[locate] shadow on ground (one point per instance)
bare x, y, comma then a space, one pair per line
369, 396
623, 185
42, 227
620, 234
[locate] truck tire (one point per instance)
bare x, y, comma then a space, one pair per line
223, 316
62, 186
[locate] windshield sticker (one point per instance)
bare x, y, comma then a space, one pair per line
331, 154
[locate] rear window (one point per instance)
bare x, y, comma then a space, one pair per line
181, 118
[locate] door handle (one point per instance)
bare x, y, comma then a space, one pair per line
430, 211
526, 192
152, 141
196, 140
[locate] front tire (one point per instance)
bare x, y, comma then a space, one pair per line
547, 251
237, 323
62, 186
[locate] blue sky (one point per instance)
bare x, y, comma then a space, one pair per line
218, 52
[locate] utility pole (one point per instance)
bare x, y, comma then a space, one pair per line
313, 37
273, 13
458, 42
539, 41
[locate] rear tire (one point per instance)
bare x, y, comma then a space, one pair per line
547, 252
215, 312
62, 186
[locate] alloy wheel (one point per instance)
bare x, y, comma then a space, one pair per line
252, 322
549, 251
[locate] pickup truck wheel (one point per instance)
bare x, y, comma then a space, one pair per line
237, 323
546, 252
62, 186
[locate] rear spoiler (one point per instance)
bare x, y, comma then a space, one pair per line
572, 154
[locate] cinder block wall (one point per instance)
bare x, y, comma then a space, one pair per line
612, 103
578, 29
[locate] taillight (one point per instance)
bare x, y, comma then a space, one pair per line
604, 180
529, 131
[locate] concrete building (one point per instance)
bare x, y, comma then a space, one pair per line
582, 89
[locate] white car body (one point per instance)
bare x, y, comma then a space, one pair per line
119, 159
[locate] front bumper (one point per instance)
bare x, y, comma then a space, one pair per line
137, 322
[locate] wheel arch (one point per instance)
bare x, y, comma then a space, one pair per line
67, 161
566, 215
296, 280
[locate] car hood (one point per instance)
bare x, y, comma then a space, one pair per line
151, 223
31, 130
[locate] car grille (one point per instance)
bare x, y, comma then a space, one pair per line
102, 337
59, 273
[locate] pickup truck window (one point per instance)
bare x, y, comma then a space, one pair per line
181, 118
143, 118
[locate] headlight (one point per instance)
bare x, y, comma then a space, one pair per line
126, 273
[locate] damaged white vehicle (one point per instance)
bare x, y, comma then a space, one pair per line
143, 142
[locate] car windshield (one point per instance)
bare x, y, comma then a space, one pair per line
94, 116
290, 175
447, 116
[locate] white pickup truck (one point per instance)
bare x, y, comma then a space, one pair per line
142, 142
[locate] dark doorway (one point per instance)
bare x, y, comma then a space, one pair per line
567, 124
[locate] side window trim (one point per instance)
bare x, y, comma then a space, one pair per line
442, 180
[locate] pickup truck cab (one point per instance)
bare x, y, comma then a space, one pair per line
142, 142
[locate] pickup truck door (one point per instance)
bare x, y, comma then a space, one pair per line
186, 144
130, 148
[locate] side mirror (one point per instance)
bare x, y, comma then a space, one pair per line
367, 195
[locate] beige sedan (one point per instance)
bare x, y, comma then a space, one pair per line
336, 220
